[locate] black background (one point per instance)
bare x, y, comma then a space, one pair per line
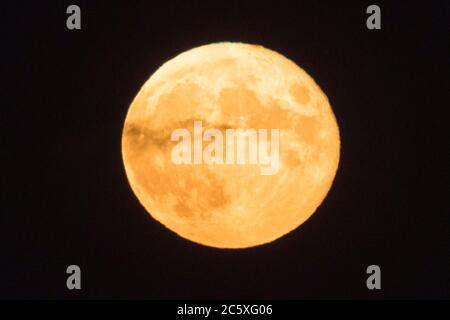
66, 199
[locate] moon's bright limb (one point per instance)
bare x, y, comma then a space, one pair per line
231, 85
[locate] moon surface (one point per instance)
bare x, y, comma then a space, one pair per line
231, 85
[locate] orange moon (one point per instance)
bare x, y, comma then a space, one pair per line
231, 85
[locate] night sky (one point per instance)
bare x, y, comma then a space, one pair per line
65, 198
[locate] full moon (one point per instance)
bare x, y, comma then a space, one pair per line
231, 86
